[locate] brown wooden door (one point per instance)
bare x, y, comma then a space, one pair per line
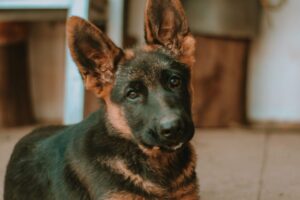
219, 82
15, 96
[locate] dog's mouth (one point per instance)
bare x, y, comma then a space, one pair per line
163, 148
173, 147
152, 141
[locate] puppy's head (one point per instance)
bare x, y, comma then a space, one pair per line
146, 91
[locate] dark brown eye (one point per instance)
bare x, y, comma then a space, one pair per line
174, 82
132, 94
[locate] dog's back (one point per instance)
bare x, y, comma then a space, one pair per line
26, 176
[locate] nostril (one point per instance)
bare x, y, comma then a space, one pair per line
167, 133
170, 128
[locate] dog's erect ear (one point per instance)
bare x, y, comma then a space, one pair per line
166, 24
94, 53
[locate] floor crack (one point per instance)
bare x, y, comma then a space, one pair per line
266, 139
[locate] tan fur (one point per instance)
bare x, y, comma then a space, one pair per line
189, 192
81, 175
185, 55
117, 118
103, 58
91, 84
161, 162
150, 47
129, 54
123, 196
187, 52
165, 29
188, 171
151, 152
189, 48
119, 166
182, 44
148, 32
105, 92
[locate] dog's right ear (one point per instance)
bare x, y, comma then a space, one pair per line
94, 53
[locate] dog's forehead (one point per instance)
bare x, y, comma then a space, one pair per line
145, 66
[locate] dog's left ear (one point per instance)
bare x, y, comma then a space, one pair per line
166, 25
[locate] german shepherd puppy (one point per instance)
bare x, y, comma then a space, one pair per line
136, 146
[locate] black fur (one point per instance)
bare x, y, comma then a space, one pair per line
42, 165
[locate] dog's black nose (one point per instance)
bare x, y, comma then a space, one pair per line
170, 127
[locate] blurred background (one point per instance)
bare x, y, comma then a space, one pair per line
246, 74
246, 81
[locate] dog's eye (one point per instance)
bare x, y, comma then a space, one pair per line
174, 82
131, 94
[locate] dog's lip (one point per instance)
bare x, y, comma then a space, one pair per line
167, 145
173, 147
167, 148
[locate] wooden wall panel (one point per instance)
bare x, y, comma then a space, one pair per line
15, 96
47, 69
230, 18
219, 82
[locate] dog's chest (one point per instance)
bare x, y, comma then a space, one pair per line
154, 178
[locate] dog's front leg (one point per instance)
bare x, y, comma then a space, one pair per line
123, 195
189, 192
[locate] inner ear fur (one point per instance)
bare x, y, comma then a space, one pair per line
94, 53
166, 25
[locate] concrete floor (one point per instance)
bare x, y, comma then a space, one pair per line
232, 164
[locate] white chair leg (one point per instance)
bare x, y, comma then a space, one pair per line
74, 89
115, 21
